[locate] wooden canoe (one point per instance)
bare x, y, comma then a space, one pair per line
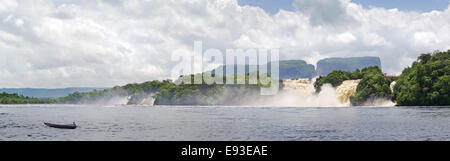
61, 126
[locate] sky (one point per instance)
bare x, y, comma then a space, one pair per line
103, 43
273, 6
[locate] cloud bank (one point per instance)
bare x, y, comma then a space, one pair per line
102, 43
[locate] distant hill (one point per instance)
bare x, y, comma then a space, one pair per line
326, 66
288, 69
46, 93
296, 69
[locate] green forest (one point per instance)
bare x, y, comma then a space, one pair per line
183, 91
6, 98
426, 82
336, 78
373, 85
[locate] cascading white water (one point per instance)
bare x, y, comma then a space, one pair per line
392, 86
301, 93
304, 87
142, 100
346, 90
149, 101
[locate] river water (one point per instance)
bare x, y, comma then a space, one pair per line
167, 123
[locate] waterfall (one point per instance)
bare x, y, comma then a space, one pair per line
149, 101
304, 92
392, 86
142, 99
304, 87
347, 89
301, 93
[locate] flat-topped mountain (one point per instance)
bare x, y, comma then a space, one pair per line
301, 69
288, 69
326, 66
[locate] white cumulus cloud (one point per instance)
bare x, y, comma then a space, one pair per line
67, 43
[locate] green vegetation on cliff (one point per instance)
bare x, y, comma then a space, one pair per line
426, 82
373, 85
184, 91
168, 92
336, 78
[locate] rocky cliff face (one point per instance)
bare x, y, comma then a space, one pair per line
326, 66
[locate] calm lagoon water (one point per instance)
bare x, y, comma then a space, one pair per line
167, 123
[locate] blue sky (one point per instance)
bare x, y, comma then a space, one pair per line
272, 6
